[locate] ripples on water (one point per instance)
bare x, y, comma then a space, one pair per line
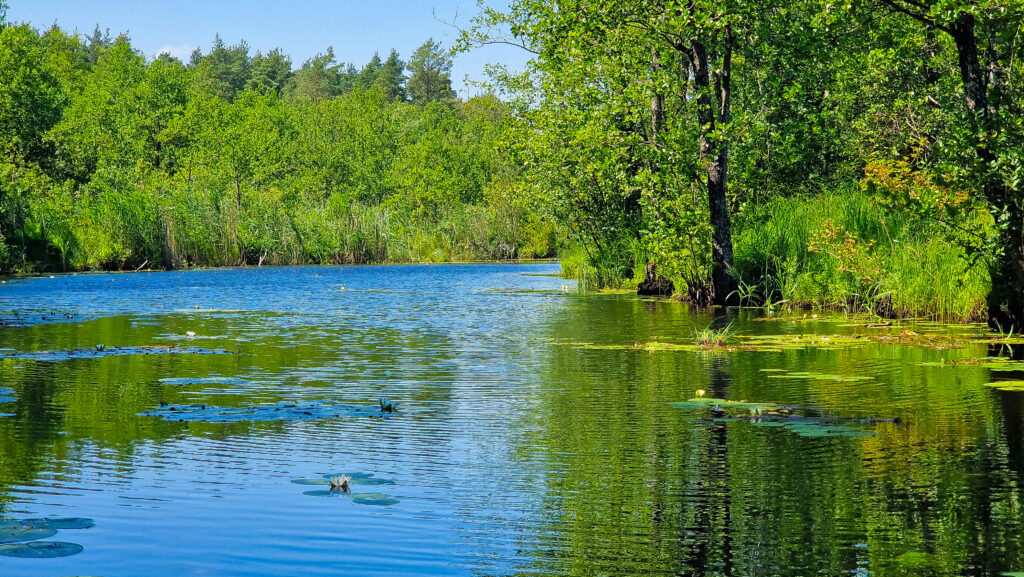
511, 454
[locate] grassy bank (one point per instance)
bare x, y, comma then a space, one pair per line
844, 250
839, 250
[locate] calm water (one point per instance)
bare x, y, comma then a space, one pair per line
512, 452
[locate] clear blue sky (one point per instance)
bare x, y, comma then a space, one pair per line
301, 28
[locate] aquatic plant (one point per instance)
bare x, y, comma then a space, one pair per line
102, 351
298, 411
340, 483
23, 532
387, 406
40, 549
709, 337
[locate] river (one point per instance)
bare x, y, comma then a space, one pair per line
537, 430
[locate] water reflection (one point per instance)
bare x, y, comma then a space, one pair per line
648, 490
510, 454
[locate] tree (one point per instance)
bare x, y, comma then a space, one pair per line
391, 78
270, 73
225, 70
319, 79
98, 42
430, 74
31, 95
982, 152
648, 80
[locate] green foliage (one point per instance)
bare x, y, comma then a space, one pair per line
112, 161
843, 249
430, 74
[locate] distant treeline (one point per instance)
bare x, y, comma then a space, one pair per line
110, 160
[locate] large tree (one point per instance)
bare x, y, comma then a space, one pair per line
430, 70
652, 82
980, 149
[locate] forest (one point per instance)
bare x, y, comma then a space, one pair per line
862, 155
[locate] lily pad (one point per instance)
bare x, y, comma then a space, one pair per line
820, 377
363, 479
184, 381
298, 411
324, 493
40, 549
353, 476
97, 352
311, 481
1007, 385
709, 403
60, 522
21, 533
379, 499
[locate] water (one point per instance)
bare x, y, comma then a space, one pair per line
515, 451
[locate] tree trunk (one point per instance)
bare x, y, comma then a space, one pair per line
723, 285
1006, 298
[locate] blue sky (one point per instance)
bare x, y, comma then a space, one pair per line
301, 28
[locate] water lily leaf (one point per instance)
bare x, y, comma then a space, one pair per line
298, 411
60, 522
324, 493
379, 499
40, 549
184, 381
94, 353
709, 403
21, 533
311, 481
821, 377
354, 476
1007, 385
1004, 366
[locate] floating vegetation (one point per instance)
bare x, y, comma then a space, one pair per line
793, 419
20, 537
387, 406
60, 522
1007, 385
353, 479
998, 364
40, 549
185, 381
299, 411
339, 484
788, 342
721, 404
709, 337
379, 499
763, 343
21, 532
31, 318
101, 351
782, 374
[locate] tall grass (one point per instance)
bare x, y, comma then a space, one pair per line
185, 225
841, 249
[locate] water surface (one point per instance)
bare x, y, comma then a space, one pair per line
515, 450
